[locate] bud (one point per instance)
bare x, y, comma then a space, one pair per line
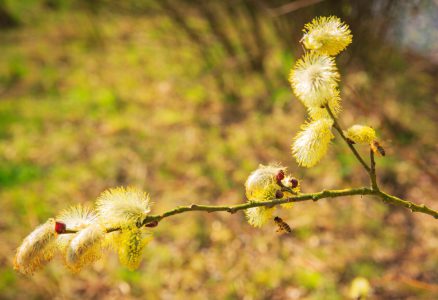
279, 194
280, 176
60, 227
293, 182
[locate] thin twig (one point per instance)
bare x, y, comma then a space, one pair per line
271, 203
373, 176
341, 133
291, 7
407, 204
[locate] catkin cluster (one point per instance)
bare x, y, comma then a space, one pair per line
315, 82
80, 235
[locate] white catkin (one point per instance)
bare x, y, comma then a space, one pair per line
85, 247
37, 248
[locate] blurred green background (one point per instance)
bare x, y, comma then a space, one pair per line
184, 98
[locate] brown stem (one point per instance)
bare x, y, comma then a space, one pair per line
341, 133
299, 198
373, 176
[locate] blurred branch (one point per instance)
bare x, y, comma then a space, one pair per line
421, 208
291, 7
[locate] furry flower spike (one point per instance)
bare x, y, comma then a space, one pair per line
263, 184
334, 103
361, 134
122, 207
314, 79
312, 142
326, 35
130, 243
85, 247
37, 249
75, 218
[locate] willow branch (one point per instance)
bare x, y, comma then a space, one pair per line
372, 172
300, 198
291, 7
407, 204
271, 203
341, 133
421, 208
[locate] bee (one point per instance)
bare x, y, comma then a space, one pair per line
377, 148
282, 226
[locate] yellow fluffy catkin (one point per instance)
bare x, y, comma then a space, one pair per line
361, 134
37, 249
130, 243
258, 216
312, 142
262, 185
85, 247
334, 103
75, 218
122, 207
314, 79
326, 35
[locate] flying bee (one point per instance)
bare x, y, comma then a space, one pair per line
282, 226
377, 148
